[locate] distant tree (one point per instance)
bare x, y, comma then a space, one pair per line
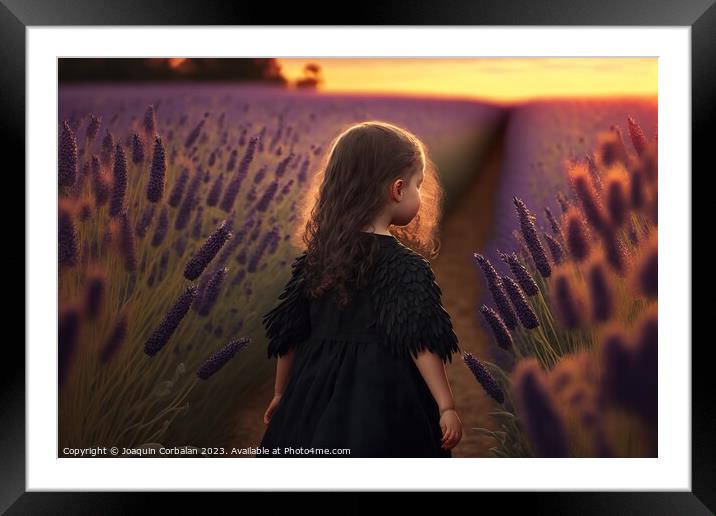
312, 76
166, 69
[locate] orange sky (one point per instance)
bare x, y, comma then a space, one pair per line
493, 79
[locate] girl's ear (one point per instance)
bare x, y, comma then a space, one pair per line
396, 189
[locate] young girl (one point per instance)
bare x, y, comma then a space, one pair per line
361, 335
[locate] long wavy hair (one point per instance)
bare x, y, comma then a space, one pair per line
345, 195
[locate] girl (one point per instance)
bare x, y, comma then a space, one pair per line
361, 335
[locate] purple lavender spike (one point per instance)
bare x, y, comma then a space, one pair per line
525, 280
529, 233
526, 315
555, 248
177, 192
137, 149
500, 331
221, 357
67, 238
171, 321
207, 252
68, 156
115, 340
483, 376
119, 186
541, 418
155, 187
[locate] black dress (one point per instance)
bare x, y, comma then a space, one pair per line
353, 383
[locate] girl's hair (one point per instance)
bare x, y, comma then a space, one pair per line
349, 190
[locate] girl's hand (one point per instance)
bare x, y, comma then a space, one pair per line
271, 408
452, 429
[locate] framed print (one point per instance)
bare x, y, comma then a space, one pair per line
436, 238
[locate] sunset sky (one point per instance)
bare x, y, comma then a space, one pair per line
493, 79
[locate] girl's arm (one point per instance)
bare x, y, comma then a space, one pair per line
432, 369
284, 364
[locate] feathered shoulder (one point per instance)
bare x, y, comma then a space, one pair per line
289, 323
409, 310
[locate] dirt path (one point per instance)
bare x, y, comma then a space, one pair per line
465, 230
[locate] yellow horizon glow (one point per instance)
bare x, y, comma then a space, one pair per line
499, 80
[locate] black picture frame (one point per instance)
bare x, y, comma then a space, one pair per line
16, 15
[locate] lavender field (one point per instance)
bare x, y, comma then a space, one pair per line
174, 226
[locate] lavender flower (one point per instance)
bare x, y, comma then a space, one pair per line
211, 293
94, 295
612, 147
260, 174
617, 380
638, 138
525, 280
160, 232
145, 220
178, 190
261, 249
594, 172
194, 134
115, 340
150, 123
232, 189
79, 183
502, 334
171, 321
126, 242
155, 186
239, 277
647, 270
68, 333
638, 196
646, 367
498, 294
303, 171
538, 410
67, 238
189, 202
577, 236
221, 357
555, 248
556, 230
100, 185
616, 200
267, 197
92, 127
615, 252
567, 303
527, 317
231, 163
68, 156
633, 234
591, 206
85, 211
119, 186
563, 203
107, 149
600, 292
283, 164
180, 245
529, 233
215, 193
483, 376
198, 223
207, 252
137, 149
